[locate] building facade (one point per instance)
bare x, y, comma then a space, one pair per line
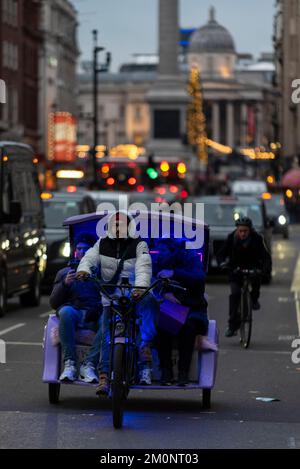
20, 41
287, 52
239, 99
57, 66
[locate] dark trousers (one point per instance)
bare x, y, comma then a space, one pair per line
235, 297
186, 341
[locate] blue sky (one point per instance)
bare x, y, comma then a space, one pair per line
131, 26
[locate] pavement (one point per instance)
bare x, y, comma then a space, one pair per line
168, 419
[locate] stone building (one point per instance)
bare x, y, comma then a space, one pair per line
239, 98
287, 48
20, 40
57, 63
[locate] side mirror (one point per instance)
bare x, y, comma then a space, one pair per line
15, 212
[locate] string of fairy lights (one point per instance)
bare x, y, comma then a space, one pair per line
196, 127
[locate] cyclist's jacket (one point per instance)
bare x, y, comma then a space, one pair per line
249, 254
108, 252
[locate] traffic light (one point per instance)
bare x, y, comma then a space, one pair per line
151, 170
152, 173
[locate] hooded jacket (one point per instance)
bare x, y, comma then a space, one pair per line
108, 252
250, 254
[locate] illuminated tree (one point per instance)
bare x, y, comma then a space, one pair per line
196, 123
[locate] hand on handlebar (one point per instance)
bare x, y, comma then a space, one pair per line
81, 275
136, 293
165, 274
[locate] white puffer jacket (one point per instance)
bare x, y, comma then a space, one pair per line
107, 254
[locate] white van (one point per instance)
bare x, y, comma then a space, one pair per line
249, 188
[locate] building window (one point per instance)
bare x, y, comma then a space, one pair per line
10, 12
137, 114
4, 11
10, 55
14, 106
167, 124
5, 54
122, 111
210, 64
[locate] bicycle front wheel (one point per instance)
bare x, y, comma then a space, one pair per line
246, 319
117, 390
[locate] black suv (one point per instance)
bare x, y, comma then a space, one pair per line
58, 206
22, 240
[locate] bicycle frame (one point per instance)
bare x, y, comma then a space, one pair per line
246, 308
123, 317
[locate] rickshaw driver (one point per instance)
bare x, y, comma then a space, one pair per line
122, 246
244, 249
76, 307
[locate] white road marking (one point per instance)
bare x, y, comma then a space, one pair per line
296, 278
287, 338
282, 299
44, 315
295, 288
297, 302
12, 328
292, 443
33, 344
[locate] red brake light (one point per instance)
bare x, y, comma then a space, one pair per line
110, 181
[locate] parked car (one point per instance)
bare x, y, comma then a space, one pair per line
220, 213
277, 214
57, 207
22, 239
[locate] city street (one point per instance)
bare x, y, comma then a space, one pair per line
169, 419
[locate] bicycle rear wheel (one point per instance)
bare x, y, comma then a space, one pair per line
246, 320
118, 391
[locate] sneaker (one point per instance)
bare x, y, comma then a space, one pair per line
230, 332
255, 305
145, 377
70, 372
183, 378
103, 387
87, 373
166, 377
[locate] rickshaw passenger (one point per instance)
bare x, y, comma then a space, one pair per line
183, 266
78, 306
123, 246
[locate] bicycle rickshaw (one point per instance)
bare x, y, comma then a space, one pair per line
123, 376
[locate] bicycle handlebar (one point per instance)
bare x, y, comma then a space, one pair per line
249, 272
127, 286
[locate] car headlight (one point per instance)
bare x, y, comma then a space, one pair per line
65, 249
282, 220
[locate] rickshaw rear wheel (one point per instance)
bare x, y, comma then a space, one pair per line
118, 393
206, 398
53, 393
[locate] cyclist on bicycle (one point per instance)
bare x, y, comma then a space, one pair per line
244, 249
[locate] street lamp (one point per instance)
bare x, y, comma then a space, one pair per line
96, 70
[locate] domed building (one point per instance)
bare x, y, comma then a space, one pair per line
212, 50
237, 105
239, 99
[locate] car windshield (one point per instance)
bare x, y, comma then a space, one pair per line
227, 214
275, 206
57, 211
